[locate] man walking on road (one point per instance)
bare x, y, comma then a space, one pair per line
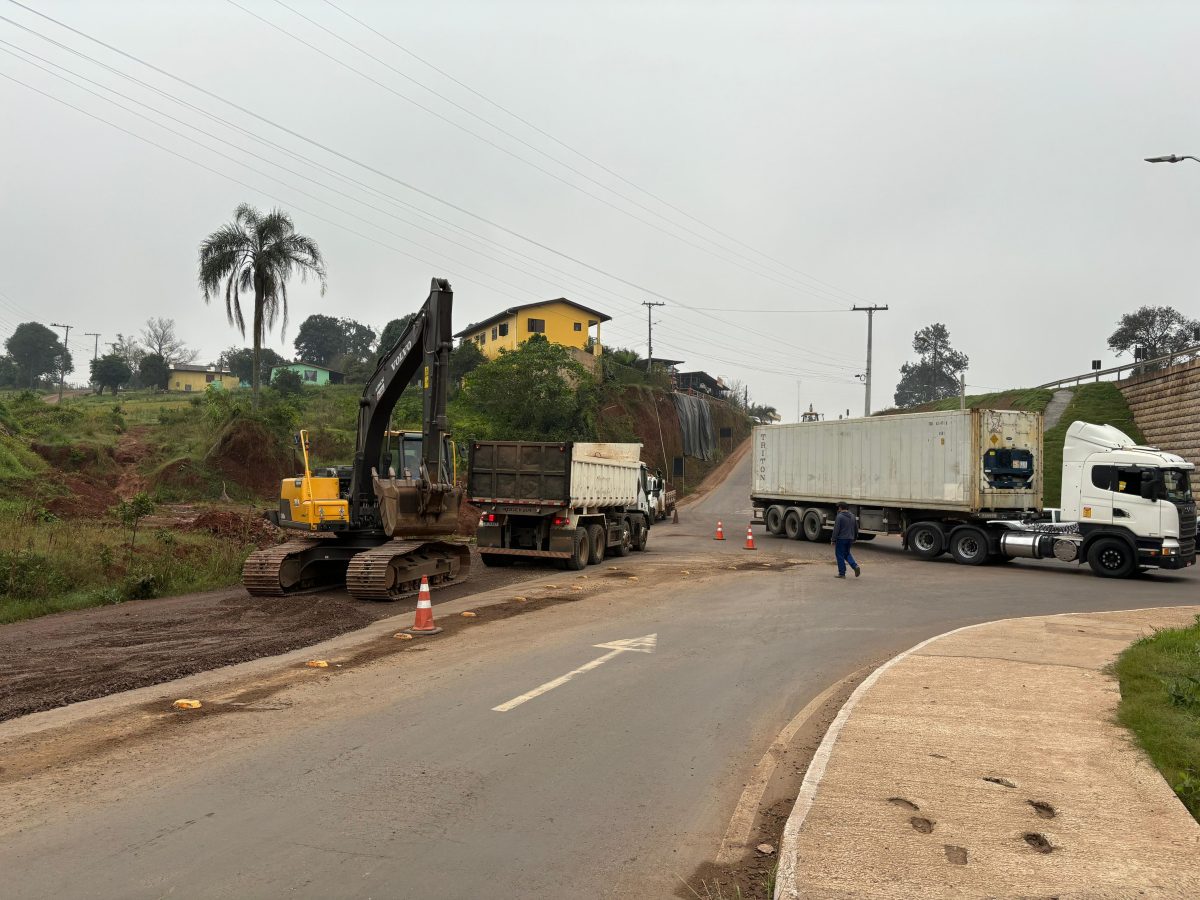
845, 532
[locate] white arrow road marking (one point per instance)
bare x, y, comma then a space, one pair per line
644, 644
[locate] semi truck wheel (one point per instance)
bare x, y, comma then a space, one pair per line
926, 541
1111, 558
791, 524
812, 525
498, 560
774, 520
599, 543
641, 536
969, 546
580, 551
626, 546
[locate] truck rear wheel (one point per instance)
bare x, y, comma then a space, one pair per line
1112, 558
774, 520
599, 543
626, 546
580, 551
641, 536
812, 525
969, 546
925, 540
791, 524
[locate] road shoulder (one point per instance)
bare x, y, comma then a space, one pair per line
988, 762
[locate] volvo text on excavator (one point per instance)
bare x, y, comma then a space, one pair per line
380, 524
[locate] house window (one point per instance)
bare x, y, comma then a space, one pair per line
537, 326
187, 387
579, 326
479, 338
494, 332
209, 377
503, 329
310, 374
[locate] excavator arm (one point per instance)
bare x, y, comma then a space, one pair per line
408, 503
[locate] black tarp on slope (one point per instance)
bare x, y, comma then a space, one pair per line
695, 423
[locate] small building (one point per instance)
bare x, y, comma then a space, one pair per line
188, 378
310, 373
701, 383
562, 321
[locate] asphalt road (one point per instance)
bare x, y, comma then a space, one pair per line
398, 778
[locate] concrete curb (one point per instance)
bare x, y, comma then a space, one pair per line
785, 879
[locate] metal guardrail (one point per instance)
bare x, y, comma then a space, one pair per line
1117, 370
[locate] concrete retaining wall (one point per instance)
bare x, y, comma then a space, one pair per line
1166, 406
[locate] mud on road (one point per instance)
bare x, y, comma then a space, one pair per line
64, 658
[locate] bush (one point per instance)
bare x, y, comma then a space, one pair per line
288, 383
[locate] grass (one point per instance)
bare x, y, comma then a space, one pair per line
49, 565
1160, 704
1029, 400
1100, 403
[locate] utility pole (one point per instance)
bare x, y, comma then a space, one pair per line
96, 349
650, 304
962, 390
870, 311
62, 369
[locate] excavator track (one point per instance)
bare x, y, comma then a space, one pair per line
393, 571
280, 570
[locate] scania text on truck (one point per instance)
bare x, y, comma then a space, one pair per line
969, 483
574, 502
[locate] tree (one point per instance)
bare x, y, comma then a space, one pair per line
763, 415
129, 350
1158, 330
465, 358
159, 338
357, 340
935, 375
130, 512
392, 332
10, 373
288, 383
320, 340
110, 371
37, 352
257, 253
537, 392
240, 361
153, 372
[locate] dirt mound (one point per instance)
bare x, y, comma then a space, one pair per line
85, 499
250, 529
81, 457
247, 453
179, 475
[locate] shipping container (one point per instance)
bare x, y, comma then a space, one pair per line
962, 460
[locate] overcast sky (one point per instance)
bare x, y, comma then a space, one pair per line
964, 162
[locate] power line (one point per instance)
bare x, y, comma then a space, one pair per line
375, 170
257, 171
579, 153
491, 124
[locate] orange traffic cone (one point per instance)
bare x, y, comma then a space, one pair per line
720, 535
749, 538
424, 621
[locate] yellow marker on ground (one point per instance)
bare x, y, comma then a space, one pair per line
469, 615
317, 664
186, 704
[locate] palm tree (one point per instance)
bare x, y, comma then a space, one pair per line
257, 253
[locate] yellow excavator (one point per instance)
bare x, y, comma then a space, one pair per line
379, 525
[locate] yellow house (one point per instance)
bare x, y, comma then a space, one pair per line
562, 321
189, 379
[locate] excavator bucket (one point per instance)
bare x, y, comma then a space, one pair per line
407, 510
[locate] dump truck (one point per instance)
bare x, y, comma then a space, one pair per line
969, 483
570, 501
